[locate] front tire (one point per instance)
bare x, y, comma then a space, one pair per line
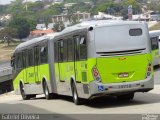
126, 97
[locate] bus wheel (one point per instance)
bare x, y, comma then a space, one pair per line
46, 91
76, 99
23, 94
126, 97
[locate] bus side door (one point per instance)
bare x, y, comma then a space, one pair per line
81, 58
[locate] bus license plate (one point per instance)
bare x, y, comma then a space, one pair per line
125, 86
123, 75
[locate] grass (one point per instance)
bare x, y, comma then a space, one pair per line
155, 27
6, 51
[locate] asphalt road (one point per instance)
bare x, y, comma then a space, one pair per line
101, 108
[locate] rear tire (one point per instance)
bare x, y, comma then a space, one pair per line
47, 94
76, 99
23, 94
126, 97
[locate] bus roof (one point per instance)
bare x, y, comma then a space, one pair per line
154, 33
98, 23
35, 40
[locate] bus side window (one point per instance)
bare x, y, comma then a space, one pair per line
24, 59
44, 54
36, 55
60, 51
18, 60
70, 49
56, 51
83, 48
77, 41
65, 54
30, 57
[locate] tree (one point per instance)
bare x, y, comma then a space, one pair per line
7, 34
21, 25
3, 9
134, 3
59, 26
154, 5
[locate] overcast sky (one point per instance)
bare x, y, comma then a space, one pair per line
8, 1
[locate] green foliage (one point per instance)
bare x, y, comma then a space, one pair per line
21, 25
59, 26
81, 6
3, 9
134, 3
15, 7
10, 32
29, 14
75, 1
154, 5
105, 6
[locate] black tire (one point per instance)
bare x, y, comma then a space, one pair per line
126, 97
76, 99
47, 94
24, 95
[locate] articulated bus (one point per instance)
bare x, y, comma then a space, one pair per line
154, 37
88, 60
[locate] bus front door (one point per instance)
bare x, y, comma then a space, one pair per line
80, 59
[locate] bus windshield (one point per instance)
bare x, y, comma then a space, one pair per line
119, 38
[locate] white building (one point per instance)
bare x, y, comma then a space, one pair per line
41, 27
65, 18
102, 15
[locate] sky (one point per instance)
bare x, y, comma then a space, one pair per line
8, 1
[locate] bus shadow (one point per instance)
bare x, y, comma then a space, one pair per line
112, 102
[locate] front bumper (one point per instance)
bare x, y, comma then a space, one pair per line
96, 89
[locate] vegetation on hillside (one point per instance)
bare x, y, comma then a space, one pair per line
25, 16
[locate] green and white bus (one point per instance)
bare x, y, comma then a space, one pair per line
154, 37
90, 59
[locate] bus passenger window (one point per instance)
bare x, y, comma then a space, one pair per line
24, 59
83, 48
55, 51
30, 57
18, 60
65, 50
77, 41
44, 54
36, 55
70, 49
60, 51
